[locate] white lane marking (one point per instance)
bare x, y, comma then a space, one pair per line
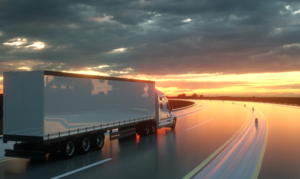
190, 112
240, 158
74, 171
199, 124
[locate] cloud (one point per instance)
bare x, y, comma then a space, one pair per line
151, 37
292, 45
187, 20
17, 42
24, 44
105, 18
24, 68
119, 50
37, 45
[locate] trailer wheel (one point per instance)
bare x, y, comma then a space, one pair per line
99, 141
85, 144
68, 148
174, 123
145, 129
152, 128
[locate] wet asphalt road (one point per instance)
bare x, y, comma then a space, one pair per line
200, 131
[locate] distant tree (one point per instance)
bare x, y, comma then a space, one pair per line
183, 95
194, 95
201, 96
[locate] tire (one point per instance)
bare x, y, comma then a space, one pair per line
68, 148
152, 128
85, 144
174, 123
144, 129
99, 141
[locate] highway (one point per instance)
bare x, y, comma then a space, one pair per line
213, 139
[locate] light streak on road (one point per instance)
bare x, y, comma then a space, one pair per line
191, 110
199, 124
229, 146
239, 159
80, 169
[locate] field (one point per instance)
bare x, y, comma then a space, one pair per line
282, 100
179, 104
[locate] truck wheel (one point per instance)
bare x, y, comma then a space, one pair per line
99, 141
174, 123
152, 128
145, 129
68, 148
85, 145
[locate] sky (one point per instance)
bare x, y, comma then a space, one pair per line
208, 47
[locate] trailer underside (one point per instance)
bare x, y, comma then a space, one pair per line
37, 147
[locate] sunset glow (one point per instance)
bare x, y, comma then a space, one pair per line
285, 84
89, 72
260, 84
24, 68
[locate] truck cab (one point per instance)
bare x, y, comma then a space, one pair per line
165, 117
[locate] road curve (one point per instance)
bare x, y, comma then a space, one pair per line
239, 159
220, 137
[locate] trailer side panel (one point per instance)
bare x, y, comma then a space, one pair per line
74, 103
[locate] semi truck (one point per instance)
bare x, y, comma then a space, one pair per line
48, 112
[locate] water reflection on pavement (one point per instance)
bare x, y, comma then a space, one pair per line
175, 153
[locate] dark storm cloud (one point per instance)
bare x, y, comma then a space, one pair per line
230, 36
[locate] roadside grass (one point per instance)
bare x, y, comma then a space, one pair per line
281, 100
179, 103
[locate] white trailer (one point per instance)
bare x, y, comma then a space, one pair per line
45, 111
